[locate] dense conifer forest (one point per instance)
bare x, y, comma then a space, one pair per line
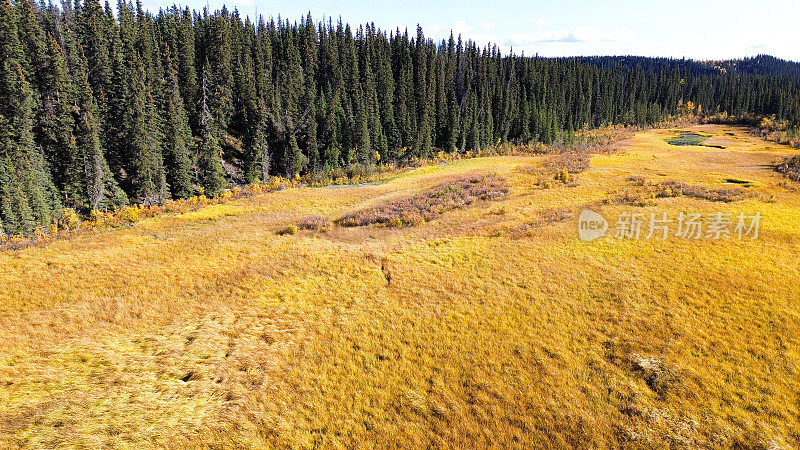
104, 106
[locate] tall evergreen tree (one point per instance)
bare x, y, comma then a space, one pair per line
57, 127
308, 101
27, 194
187, 68
178, 140
93, 31
210, 173
93, 101
220, 68
100, 189
145, 168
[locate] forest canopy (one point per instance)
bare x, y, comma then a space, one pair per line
101, 107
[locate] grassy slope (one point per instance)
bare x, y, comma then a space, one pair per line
208, 328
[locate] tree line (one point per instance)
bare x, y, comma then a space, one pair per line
101, 107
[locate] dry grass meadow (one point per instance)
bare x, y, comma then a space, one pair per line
490, 325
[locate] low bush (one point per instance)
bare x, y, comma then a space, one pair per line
574, 161
672, 188
315, 223
290, 229
415, 210
790, 168
544, 218
635, 198
637, 180
562, 167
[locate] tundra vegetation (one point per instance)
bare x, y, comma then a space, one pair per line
486, 324
219, 231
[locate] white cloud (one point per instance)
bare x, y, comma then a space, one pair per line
488, 26
531, 42
574, 35
481, 35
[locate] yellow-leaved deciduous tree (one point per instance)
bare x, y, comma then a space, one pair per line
69, 219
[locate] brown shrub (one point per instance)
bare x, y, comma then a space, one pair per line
673, 188
574, 161
790, 168
415, 210
561, 167
637, 180
316, 223
635, 198
289, 230
544, 218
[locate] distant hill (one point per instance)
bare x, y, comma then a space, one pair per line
756, 65
648, 64
761, 65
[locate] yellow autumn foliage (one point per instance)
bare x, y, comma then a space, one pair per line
492, 325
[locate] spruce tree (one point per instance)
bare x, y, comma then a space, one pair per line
57, 128
93, 32
27, 194
295, 159
187, 70
34, 45
422, 132
385, 86
308, 101
100, 189
259, 159
220, 68
93, 101
289, 119
177, 135
146, 177
404, 94
332, 150
210, 173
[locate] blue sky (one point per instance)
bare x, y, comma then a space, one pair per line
700, 29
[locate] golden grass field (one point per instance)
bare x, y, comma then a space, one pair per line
498, 327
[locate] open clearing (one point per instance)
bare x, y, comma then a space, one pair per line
491, 324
